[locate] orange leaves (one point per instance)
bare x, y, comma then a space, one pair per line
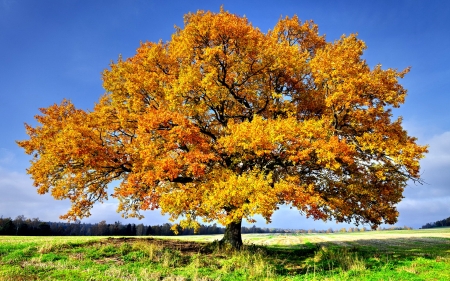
225, 122
67, 152
287, 139
348, 82
292, 32
171, 142
206, 29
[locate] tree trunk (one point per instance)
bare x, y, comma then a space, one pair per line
232, 236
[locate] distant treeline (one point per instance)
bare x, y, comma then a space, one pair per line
34, 227
441, 223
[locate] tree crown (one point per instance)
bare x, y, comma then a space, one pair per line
225, 122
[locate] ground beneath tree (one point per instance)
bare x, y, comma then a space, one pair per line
186, 247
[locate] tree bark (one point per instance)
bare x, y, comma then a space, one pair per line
232, 236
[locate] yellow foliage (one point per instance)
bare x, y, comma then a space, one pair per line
225, 122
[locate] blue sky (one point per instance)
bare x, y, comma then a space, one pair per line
52, 49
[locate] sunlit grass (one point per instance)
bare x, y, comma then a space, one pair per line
379, 255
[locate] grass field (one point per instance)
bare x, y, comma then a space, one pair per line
378, 255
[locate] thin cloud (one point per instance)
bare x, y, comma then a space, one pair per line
19, 197
418, 212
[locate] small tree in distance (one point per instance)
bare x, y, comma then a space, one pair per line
225, 122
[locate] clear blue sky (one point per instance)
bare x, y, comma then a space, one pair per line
52, 49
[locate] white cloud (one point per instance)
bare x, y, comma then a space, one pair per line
418, 212
429, 202
19, 197
435, 170
439, 151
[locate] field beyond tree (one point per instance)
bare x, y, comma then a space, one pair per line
374, 255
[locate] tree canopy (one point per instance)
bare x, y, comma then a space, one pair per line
225, 122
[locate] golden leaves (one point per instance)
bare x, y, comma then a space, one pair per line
224, 122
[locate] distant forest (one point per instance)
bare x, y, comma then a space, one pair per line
441, 223
34, 227
23, 226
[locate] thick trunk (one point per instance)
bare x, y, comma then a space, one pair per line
232, 237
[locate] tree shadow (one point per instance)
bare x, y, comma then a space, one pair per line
358, 254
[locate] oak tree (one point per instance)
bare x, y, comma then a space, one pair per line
225, 122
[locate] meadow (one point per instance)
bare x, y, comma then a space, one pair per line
371, 255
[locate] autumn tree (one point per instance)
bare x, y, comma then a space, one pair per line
225, 122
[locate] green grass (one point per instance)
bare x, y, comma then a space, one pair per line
383, 255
